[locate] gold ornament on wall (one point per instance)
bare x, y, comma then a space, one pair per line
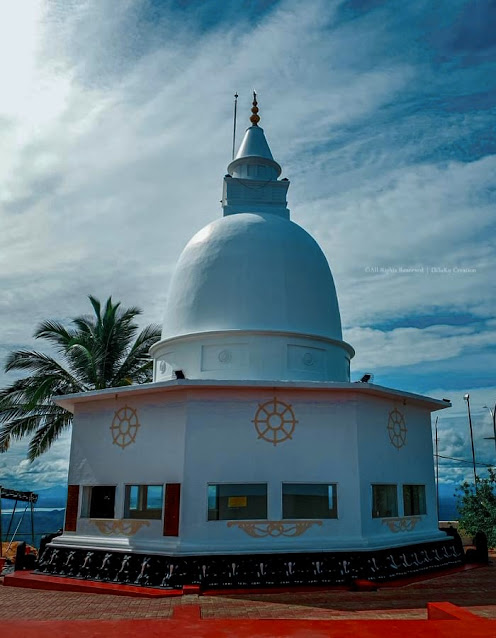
124, 426
406, 524
262, 529
274, 421
397, 429
120, 527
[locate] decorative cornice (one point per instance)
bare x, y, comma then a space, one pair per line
68, 401
250, 333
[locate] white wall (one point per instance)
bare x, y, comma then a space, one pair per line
222, 446
250, 355
381, 462
196, 436
155, 458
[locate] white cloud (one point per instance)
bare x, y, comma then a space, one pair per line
47, 471
408, 346
454, 433
415, 240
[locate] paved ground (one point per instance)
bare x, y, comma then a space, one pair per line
191, 626
474, 590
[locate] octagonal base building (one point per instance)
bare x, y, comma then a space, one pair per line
251, 460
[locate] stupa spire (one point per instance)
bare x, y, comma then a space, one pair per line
255, 118
252, 184
254, 143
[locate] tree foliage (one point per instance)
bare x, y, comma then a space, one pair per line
477, 508
102, 350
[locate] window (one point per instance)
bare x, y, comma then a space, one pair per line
143, 501
384, 501
414, 500
98, 501
305, 500
237, 502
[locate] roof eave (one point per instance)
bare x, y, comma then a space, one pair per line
69, 401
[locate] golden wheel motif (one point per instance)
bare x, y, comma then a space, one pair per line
397, 429
124, 426
274, 421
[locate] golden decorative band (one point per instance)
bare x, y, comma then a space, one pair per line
406, 524
263, 529
120, 527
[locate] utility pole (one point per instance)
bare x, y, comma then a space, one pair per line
437, 471
467, 399
493, 415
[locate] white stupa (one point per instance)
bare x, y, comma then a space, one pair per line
252, 296
251, 444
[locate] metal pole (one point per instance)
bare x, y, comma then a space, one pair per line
1, 535
11, 518
17, 528
494, 424
437, 472
32, 523
467, 399
492, 412
234, 127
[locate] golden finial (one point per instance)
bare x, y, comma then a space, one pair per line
254, 119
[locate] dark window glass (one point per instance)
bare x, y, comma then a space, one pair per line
414, 500
143, 501
237, 502
384, 501
102, 501
305, 500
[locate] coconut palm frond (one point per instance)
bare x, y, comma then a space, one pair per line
98, 351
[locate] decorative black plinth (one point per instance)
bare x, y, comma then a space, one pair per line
252, 570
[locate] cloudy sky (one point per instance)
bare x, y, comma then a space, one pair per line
116, 124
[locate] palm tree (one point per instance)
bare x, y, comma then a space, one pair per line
98, 351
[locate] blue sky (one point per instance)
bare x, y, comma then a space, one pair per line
116, 123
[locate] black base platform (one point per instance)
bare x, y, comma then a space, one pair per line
250, 570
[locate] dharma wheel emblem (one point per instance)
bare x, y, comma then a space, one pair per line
397, 429
274, 421
124, 426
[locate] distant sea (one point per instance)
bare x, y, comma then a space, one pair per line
46, 521
36, 509
447, 503
447, 510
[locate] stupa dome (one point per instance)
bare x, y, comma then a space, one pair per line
252, 271
252, 295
